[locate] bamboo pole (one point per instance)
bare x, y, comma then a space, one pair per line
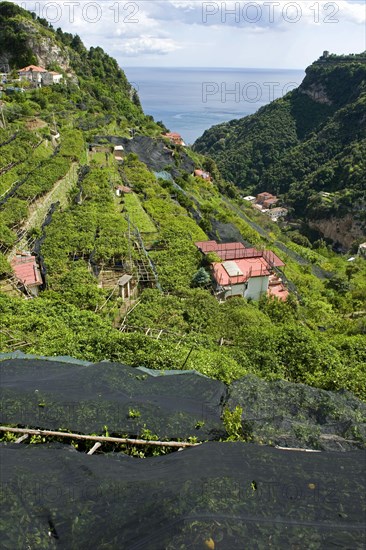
297, 449
102, 439
22, 438
94, 448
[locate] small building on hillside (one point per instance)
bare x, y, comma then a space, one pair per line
246, 272
118, 152
202, 174
122, 189
276, 213
249, 198
125, 286
175, 138
39, 76
266, 200
261, 197
32, 73
362, 250
27, 272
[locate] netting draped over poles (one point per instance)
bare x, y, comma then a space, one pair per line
61, 393
215, 495
87, 398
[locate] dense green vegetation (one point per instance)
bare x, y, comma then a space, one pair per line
269, 339
316, 337
310, 141
96, 92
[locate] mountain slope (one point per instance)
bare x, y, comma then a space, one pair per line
310, 141
93, 83
94, 234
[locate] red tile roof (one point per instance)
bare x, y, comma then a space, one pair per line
175, 137
247, 268
26, 270
236, 251
124, 189
250, 262
270, 201
33, 68
265, 196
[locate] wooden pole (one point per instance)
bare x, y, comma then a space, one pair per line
22, 438
102, 439
2, 115
94, 448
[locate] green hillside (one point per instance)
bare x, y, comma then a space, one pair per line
91, 236
312, 140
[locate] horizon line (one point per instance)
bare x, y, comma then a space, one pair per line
208, 67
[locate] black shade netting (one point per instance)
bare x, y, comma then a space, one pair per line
91, 398
296, 415
218, 495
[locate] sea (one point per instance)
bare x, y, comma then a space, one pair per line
191, 100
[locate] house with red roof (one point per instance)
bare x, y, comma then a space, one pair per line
51, 77
39, 75
246, 272
175, 138
266, 200
27, 272
202, 174
122, 189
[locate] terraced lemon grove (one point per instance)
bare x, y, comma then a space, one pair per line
75, 316
316, 337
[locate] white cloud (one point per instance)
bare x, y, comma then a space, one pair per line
260, 33
143, 45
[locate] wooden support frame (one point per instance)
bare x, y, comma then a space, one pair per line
101, 439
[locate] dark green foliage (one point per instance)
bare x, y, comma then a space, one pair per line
201, 278
311, 140
13, 36
4, 265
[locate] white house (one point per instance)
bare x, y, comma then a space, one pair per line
245, 272
247, 277
275, 213
51, 77
32, 73
39, 75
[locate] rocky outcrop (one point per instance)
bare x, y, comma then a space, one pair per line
154, 153
45, 48
342, 230
317, 93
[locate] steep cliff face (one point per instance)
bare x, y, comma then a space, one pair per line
24, 40
45, 48
317, 92
340, 230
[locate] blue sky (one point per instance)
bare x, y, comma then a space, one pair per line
194, 33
